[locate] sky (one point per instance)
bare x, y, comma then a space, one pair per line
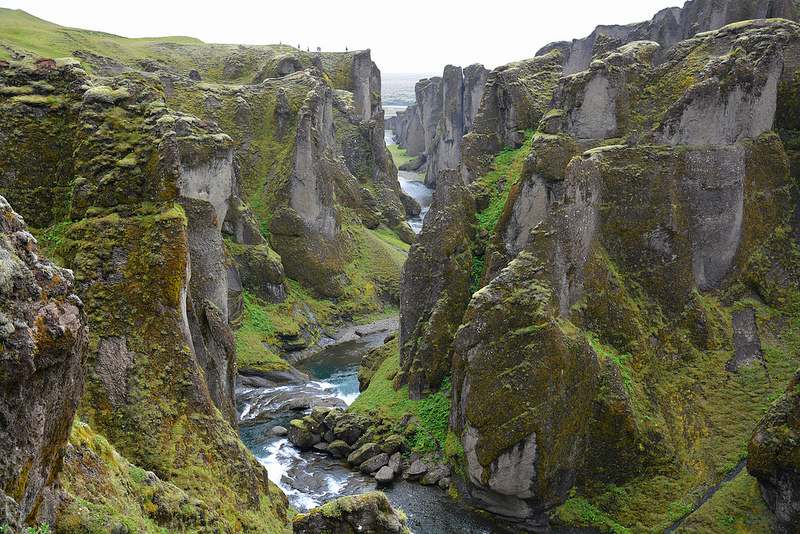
405, 36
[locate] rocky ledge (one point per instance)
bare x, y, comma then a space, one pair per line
368, 444
369, 513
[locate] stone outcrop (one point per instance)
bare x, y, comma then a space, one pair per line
632, 234
773, 457
142, 230
369, 513
435, 286
408, 131
444, 112
43, 340
515, 98
668, 27
519, 458
445, 149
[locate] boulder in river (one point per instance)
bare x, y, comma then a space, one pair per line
301, 435
417, 469
278, 431
373, 464
435, 474
384, 475
339, 449
369, 513
363, 453
349, 428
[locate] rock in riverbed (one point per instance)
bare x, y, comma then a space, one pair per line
369, 513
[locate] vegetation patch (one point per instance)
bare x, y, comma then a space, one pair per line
432, 413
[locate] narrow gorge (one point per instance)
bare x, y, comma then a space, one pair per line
265, 289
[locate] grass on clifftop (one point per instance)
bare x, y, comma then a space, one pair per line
432, 412
497, 183
399, 155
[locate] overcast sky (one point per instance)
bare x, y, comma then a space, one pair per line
406, 36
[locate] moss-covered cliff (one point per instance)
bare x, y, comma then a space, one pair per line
635, 280
261, 198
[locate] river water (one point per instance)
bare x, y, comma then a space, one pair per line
413, 184
310, 478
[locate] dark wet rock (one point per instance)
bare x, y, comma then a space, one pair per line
267, 379
417, 469
373, 464
773, 457
363, 453
301, 436
385, 475
278, 431
396, 463
320, 447
43, 336
435, 474
339, 449
369, 513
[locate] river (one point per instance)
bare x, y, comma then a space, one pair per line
413, 184
310, 478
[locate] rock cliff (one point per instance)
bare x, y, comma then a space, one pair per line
444, 112
634, 240
42, 346
188, 201
668, 27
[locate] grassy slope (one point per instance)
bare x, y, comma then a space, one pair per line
399, 155
381, 396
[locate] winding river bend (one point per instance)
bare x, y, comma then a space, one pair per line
311, 478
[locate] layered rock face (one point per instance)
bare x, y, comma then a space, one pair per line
150, 190
514, 100
435, 287
184, 198
642, 242
42, 345
669, 27
444, 112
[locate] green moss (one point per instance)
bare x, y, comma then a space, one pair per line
577, 511
252, 335
382, 398
399, 155
506, 172
736, 507
496, 185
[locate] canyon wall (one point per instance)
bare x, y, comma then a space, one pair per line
635, 238
445, 109
185, 186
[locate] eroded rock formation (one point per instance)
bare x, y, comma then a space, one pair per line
43, 343
653, 202
445, 110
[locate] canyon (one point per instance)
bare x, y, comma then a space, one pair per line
560, 295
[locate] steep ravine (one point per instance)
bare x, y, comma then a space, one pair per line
559, 296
